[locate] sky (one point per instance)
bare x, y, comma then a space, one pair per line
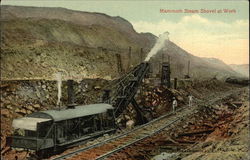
216, 34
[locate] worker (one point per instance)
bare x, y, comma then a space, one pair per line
190, 100
174, 104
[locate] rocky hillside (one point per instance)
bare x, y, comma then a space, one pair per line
241, 68
199, 67
38, 42
80, 18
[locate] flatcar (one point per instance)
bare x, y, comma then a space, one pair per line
53, 130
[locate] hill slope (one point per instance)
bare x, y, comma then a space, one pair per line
199, 67
80, 44
241, 68
77, 17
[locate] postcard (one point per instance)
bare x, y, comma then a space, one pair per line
143, 79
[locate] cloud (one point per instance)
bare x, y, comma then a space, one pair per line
204, 37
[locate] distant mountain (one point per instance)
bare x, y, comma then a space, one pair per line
217, 63
241, 68
38, 42
199, 67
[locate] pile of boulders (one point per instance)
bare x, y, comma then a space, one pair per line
229, 138
158, 99
127, 118
26, 96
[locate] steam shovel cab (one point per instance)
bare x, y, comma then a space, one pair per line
56, 129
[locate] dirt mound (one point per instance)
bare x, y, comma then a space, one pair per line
230, 136
229, 140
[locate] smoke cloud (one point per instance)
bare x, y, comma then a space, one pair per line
59, 87
158, 45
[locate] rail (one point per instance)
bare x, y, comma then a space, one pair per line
107, 154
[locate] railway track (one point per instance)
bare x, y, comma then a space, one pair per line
108, 147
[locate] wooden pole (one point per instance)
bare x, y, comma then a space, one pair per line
129, 57
141, 55
175, 83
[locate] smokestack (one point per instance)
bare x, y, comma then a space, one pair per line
71, 96
59, 87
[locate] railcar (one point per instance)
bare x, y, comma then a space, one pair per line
239, 81
56, 129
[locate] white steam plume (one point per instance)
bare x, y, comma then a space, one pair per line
59, 84
158, 45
